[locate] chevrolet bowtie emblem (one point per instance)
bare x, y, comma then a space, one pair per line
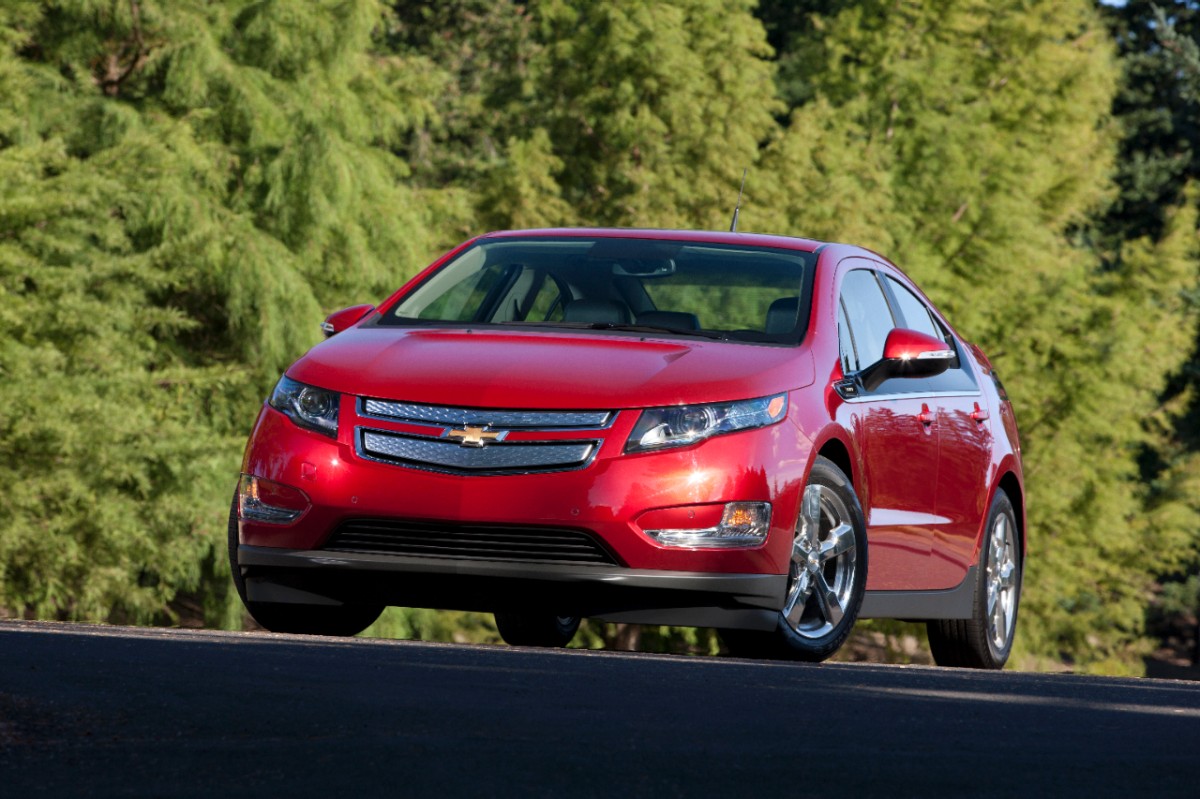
470, 436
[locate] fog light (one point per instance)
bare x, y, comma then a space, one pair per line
743, 524
262, 500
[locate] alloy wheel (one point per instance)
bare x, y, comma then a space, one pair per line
823, 565
1001, 583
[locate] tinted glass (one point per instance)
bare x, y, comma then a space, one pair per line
916, 315
462, 298
547, 303
692, 288
846, 343
868, 315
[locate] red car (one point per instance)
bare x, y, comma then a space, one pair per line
770, 436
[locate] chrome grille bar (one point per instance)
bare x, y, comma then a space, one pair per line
484, 417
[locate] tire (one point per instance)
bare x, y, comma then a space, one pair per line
827, 575
985, 640
536, 629
278, 617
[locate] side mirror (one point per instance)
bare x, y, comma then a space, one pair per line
347, 317
908, 353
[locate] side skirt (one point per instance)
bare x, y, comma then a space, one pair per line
721, 618
951, 603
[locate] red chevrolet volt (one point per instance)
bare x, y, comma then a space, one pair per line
770, 436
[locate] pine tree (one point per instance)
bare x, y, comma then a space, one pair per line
187, 186
107, 472
641, 114
1158, 108
971, 142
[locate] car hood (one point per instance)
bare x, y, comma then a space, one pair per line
547, 369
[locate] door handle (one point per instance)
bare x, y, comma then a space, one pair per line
926, 415
980, 415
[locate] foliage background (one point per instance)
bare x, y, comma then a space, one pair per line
187, 187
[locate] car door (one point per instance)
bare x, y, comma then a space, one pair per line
964, 447
897, 433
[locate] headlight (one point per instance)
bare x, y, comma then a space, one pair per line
686, 424
308, 406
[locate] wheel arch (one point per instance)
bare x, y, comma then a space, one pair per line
834, 449
1011, 485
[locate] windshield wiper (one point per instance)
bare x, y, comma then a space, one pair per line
631, 328
635, 328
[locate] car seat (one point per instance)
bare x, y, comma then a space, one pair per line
676, 320
781, 315
597, 312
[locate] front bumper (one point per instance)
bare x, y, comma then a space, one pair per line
613, 499
644, 596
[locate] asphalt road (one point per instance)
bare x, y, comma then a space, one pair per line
109, 711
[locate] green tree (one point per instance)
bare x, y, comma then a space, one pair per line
105, 511
186, 187
639, 113
971, 141
1158, 108
791, 28
485, 49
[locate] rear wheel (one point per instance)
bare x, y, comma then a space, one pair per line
985, 640
826, 578
536, 629
336, 620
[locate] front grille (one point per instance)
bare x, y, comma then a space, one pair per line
468, 541
480, 441
450, 456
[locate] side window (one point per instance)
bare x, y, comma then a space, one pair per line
463, 302
867, 315
916, 315
547, 304
846, 342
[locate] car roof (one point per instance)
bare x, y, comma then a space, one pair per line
704, 236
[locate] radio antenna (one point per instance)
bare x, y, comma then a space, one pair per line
738, 207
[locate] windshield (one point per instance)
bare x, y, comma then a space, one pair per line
721, 291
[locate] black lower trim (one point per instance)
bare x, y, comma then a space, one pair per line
283, 575
952, 603
644, 596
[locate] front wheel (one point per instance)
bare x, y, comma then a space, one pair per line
536, 629
985, 640
827, 575
334, 620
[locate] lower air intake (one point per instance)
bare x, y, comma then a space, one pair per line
468, 542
